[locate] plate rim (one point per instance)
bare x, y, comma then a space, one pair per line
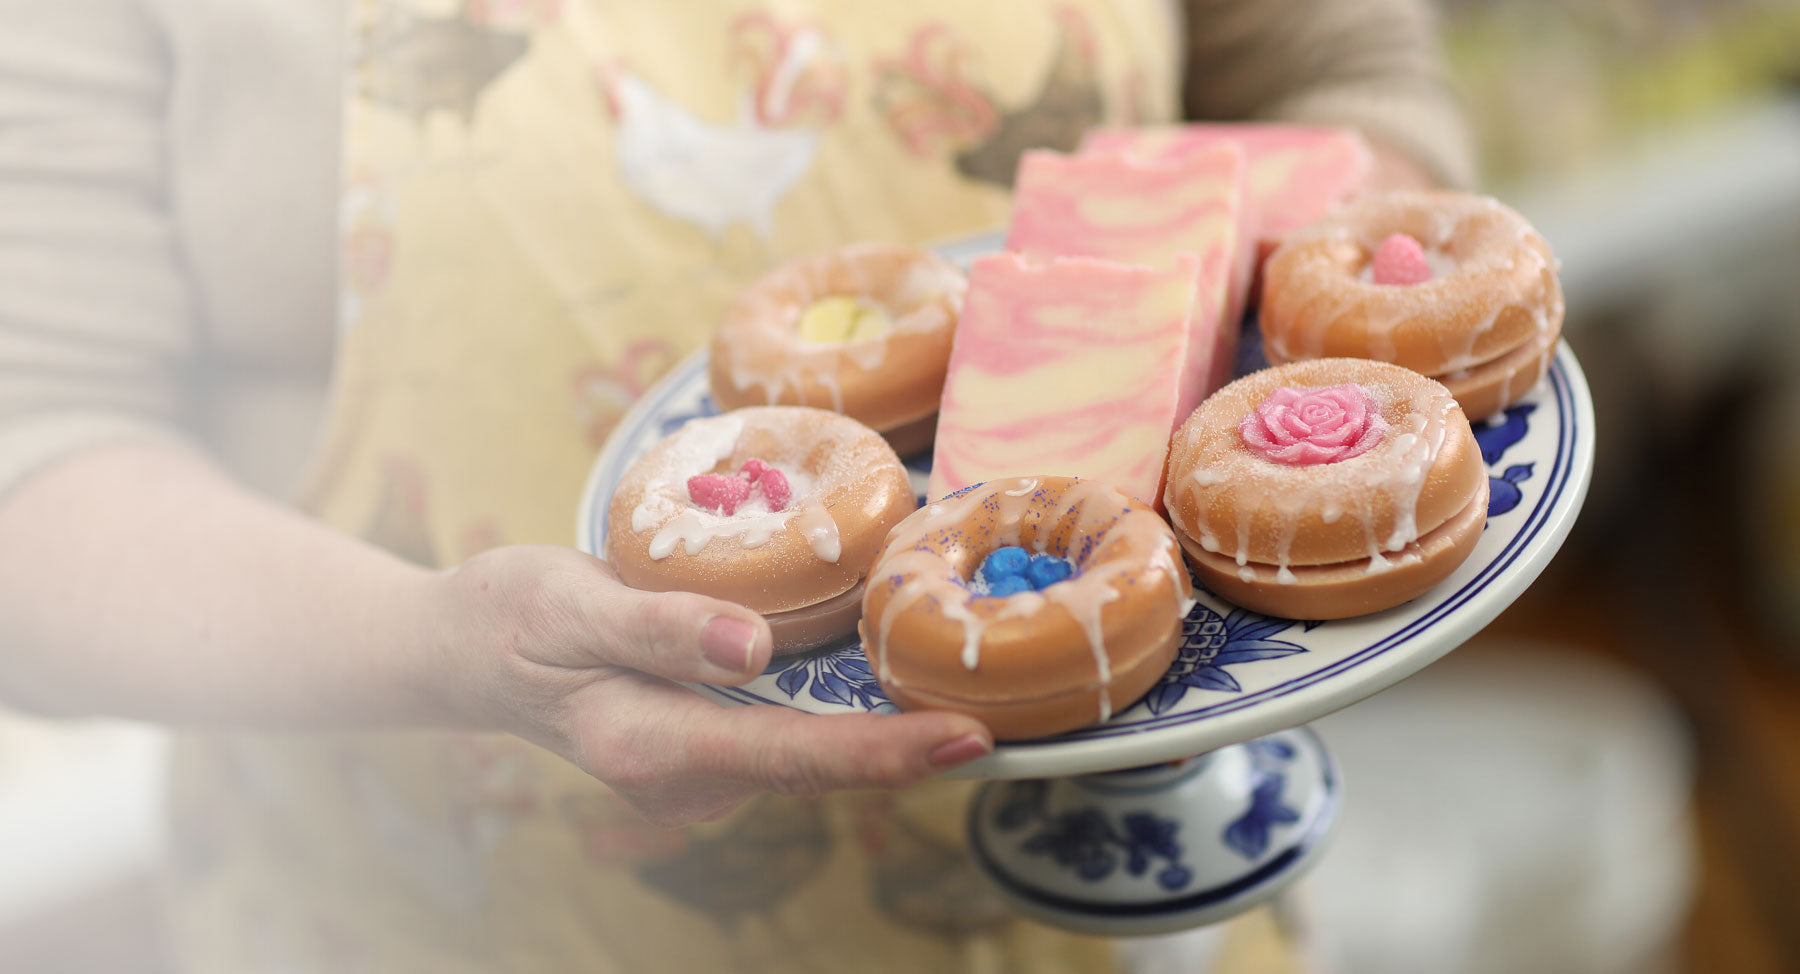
1293, 702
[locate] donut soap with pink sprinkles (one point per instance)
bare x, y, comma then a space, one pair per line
1452, 285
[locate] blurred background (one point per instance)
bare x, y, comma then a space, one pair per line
1610, 775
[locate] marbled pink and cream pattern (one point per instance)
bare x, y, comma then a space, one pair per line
1115, 207
1296, 173
1069, 367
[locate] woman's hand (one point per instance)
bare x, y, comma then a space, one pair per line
552, 647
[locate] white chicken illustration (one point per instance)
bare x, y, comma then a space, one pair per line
715, 175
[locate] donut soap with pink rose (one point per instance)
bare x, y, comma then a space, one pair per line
1453, 285
1326, 488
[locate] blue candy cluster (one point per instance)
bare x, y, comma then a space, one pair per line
1012, 569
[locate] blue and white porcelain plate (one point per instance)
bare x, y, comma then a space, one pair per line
1239, 675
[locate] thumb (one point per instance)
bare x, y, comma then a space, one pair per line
679, 635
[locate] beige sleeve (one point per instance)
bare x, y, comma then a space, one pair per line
1373, 65
96, 328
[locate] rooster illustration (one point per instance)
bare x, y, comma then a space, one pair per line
714, 175
928, 100
418, 64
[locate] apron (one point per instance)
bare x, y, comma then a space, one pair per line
547, 204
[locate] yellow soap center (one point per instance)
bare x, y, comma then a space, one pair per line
840, 318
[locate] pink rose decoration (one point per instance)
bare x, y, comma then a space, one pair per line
1298, 427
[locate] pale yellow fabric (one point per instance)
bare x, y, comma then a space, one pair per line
165, 174
547, 205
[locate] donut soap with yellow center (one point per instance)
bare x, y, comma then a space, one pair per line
1327, 488
1455, 286
778, 508
1035, 604
863, 330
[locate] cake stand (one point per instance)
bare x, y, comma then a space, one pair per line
1209, 795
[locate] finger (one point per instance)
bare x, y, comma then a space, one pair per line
678, 635
636, 733
679, 758
786, 751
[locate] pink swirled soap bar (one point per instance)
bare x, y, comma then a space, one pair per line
1301, 427
1114, 207
1066, 368
1296, 173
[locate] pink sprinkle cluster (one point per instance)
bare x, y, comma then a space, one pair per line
724, 492
1399, 260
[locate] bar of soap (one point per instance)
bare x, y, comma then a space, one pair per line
1296, 173
1069, 367
1116, 207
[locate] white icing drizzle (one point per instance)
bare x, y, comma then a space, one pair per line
821, 532
1268, 518
1168, 560
918, 574
700, 447
1486, 260
764, 350
913, 567
695, 528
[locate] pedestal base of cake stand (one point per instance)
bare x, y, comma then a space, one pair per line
1161, 848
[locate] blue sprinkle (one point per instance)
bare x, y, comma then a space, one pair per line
1001, 563
1046, 570
1008, 585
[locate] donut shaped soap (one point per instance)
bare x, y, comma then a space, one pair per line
1069, 646
863, 330
1326, 488
778, 508
1453, 285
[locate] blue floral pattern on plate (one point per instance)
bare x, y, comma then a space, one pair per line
1232, 663
840, 676
1212, 642
1497, 435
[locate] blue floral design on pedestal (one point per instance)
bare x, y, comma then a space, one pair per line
1088, 842
1211, 642
839, 676
1495, 437
1248, 834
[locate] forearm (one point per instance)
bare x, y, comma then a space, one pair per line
142, 582
1373, 65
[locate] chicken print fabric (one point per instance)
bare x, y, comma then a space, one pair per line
547, 204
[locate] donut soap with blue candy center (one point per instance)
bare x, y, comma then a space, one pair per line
1035, 604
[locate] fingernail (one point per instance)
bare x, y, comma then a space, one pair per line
960, 750
727, 643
